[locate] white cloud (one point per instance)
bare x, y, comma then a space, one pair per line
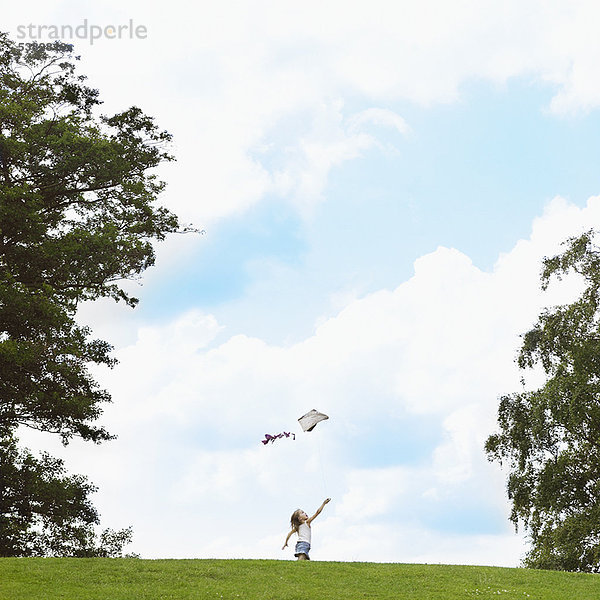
373, 492
379, 116
326, 143
191, 411
408, 543
224, 80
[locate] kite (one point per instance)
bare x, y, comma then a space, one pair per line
310, 419
272, 438
307, 422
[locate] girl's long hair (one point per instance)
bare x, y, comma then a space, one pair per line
295, 520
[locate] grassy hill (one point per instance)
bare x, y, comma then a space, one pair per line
134, 579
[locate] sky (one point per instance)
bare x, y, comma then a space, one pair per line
378, 184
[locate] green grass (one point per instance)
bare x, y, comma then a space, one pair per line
134, 579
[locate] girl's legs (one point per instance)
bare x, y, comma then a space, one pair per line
303, 557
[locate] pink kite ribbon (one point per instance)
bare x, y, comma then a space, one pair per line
272, 438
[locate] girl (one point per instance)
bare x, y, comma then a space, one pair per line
301, 525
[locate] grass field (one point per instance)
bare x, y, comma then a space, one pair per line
134, 579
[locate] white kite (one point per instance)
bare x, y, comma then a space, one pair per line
310, 419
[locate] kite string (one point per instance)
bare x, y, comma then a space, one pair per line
321, 463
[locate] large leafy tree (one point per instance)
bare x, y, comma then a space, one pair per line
550, 437
77, 217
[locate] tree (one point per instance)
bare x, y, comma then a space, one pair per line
550, 437
46, 512
77, 217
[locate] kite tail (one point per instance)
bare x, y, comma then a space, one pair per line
272, 438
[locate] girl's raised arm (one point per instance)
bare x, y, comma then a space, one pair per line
311, 519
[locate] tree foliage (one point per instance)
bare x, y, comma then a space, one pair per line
550, 437
77, 217
46, 512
